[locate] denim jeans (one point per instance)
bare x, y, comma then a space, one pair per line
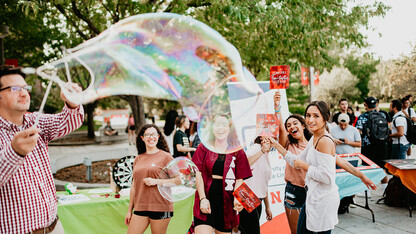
399, 151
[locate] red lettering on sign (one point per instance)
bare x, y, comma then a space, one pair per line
275, 197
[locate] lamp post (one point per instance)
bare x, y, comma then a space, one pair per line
4, 30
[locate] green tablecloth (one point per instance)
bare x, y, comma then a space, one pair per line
106, 215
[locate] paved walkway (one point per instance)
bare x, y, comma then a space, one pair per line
389, 220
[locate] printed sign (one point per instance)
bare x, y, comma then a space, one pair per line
316, 77
304, 74
279, 77
69, 199
267, 125
246, 197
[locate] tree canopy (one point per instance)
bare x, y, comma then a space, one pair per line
293, 32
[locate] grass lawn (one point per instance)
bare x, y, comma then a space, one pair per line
85, 128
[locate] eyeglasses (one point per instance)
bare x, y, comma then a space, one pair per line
14, 89
147, 135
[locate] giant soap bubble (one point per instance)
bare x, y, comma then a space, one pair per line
185, 170
159, 55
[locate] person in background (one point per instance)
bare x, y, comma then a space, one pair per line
357, 111
388, 117
343, 107
407, 110
258, 158
375, 150
147, 206
194, 140
131, 129
215, 207
169, 128
180, 140
27, 190
350, 111
109, 131
400, 145
346, 137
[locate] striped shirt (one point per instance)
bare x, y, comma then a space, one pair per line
27, 190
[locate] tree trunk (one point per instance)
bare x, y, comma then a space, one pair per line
137, 108
89, 111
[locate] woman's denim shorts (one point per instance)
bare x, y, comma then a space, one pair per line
295, 196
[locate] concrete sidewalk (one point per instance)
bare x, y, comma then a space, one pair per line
389, 220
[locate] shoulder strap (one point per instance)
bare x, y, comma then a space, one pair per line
321, 138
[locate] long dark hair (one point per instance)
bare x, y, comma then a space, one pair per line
180, 120
170, 122
161, 143
323, 109
306, 131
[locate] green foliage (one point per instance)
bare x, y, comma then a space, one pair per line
296, 109
362, 68
113, 102
266, 33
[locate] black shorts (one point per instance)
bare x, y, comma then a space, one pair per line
132, 127
216, 218
154, 214
295, 196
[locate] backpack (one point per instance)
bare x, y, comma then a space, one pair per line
411, 129
396, 194
377, 127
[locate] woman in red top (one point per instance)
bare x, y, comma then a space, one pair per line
149, 206
219, 174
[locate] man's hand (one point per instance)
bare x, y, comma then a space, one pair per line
25, 141
76, 88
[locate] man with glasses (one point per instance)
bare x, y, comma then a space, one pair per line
27, 190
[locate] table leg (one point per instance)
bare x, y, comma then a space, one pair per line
408, 193
367, 207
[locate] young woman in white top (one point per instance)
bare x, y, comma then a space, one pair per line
294, 134
319, 213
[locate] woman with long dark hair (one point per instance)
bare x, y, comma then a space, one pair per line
168, 129
294, 134
319, 214
219, 175
148, 205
